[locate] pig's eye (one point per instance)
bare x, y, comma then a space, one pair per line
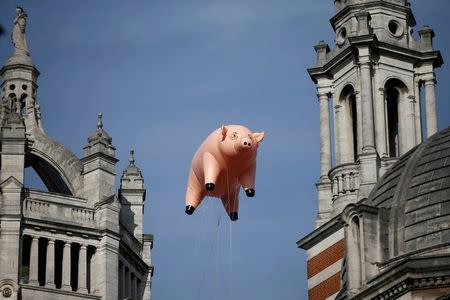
234, 135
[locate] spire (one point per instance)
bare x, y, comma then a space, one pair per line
132, 172
99, 141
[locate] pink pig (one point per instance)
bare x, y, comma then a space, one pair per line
224, 162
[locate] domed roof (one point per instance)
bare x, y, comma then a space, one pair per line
417, 191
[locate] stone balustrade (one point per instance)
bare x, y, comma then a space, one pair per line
345, 179
62, 208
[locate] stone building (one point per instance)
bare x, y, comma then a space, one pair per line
383, 222
80, 239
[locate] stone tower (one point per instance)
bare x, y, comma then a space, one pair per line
372, 82
384, 190
80, 239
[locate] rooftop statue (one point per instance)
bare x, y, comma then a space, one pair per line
18, 32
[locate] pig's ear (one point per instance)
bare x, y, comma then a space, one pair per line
224, 132
258, 136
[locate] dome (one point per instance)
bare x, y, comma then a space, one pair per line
417, 191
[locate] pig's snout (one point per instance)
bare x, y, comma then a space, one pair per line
246, 143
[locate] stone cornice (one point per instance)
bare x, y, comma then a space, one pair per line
19, 66
60, 292
358, 7
321, 233
371, 40
412, 273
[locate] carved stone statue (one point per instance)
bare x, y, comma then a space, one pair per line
18, 32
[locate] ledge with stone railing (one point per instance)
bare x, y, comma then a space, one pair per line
58, 208
344, 180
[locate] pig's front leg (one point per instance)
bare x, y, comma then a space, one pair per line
211, 170
247, 180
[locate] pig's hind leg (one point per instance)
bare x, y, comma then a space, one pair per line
247, 180
230, 202
211, 169
194, 193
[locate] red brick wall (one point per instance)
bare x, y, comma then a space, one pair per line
326, 288
326, 258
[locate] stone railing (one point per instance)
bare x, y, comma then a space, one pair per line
344, 179
36, 207
58, 208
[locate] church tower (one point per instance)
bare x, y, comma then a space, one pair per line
376, 90
69, 240
384, 185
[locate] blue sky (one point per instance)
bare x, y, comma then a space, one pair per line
166, 73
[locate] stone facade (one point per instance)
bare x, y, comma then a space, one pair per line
382, 226
80, 239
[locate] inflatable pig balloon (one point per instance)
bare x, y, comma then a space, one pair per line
224, 162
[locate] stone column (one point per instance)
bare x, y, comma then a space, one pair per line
130, 284
368, 159
82, 269
417, 112
34, 257
66, 268
50, 270
358, 121
325, 140
367, 106
124, 283
93, 270
379, 116
430, 106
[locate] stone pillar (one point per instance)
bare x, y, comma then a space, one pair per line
93, 270
325, 137
430, 99
379, 115
369, 158
50, 269
133, 286
66, 267
417, 112
358, 121
82, 270
34, 257
367, 106
130, 284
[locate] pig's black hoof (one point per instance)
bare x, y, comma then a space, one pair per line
250, 192
210, 187
190, 209
234, 216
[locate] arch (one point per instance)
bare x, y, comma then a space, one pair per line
394, 92
348, 133
52, 178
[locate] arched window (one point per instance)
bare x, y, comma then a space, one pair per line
392, 97
394, 91
349, 125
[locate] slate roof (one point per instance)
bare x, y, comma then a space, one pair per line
417, 190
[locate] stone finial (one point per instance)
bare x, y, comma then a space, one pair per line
426, 37
322, 49
132, 161
99, 121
